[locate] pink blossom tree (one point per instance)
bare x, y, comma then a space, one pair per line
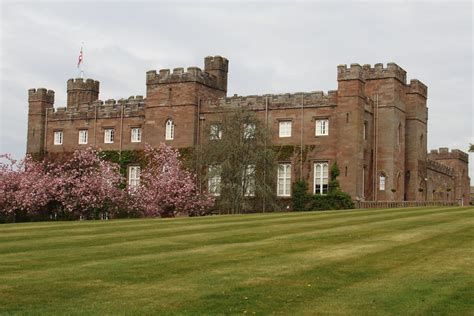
86, 184
166, 188
25, 186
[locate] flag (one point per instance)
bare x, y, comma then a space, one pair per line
80, 59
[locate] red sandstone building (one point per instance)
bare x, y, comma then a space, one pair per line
374, 125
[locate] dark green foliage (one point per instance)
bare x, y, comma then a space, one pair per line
124, 158
301, 197
334, 201
334, 183
284, 152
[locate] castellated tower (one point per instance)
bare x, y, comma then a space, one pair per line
39, 102
217, 66
81, 92
176, 97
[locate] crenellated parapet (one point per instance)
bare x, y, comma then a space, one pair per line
439, 167
41, 95
444, 153
193, 74
81, 91
133, 106
275, 101
81, 84
417, 87
214, 74
367, 72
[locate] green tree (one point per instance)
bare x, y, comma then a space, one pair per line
471, 148
300, 197
236, 163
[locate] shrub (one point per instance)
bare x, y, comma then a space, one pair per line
334, 201
300, 196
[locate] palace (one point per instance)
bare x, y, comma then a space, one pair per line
374, 125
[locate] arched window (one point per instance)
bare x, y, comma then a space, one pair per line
321, 179
169, 135
382, 179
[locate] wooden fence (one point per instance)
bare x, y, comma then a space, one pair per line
397, 204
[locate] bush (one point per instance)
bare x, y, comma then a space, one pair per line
334, 201
300, 196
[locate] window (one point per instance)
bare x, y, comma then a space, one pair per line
215, 132
320, 178
136, 135
58, 137
133, 177
285, 129
169, 135
214, 182
382, 182
322, 127
249, 131
366, 126
83, 137
248, 181
109, 135
284, 180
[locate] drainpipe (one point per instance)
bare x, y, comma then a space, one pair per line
121, 131
376, 123
301, 137
265, 145
46, 132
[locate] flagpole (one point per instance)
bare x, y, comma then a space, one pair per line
80, 62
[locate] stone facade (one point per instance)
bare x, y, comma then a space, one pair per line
377, 126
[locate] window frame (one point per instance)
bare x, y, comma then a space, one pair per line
249, 180
138, 135
285, 132
249, 130
215, 131
109, 135
58, 137
86, 133
322, 177
382, 182
321, 129
134, 183
214, 180
284, 180
169, 129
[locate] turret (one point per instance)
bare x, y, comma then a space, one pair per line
39, 101
217, 66
80, 91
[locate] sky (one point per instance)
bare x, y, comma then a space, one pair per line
272, 47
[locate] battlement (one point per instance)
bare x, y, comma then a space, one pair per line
417, 87
193, 74
132, 106
367, 72
41, 95
444, 153
439, 167
275, 101
213, 76
80, 84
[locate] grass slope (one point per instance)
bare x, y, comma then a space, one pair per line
395, 261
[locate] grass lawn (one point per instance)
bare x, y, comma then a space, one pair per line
394, 261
